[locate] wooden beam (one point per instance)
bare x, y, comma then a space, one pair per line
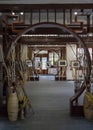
28, 7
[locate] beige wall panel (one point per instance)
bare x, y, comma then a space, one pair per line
71, 55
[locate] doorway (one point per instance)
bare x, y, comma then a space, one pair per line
40, 61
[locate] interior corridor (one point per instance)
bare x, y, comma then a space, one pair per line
50, 101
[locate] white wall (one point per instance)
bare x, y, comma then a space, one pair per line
71, 55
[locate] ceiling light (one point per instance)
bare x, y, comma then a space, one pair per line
21, 13
75, 13
13, 13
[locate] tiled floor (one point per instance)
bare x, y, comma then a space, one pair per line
50, 101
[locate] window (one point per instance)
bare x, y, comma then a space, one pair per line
59, 16
27, 18
43, 16
35, 16
77, 11
51, 57
44, 63
67, 17
51, 15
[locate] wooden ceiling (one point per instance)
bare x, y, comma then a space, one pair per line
36, 40
39, 40
29, 7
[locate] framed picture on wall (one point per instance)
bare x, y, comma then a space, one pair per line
62, 63
75, 64
29, 63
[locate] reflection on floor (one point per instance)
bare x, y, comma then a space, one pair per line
50, 101
46, 77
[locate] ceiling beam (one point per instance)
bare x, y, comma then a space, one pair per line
29, 7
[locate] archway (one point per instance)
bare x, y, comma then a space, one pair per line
61, 27
80, 41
